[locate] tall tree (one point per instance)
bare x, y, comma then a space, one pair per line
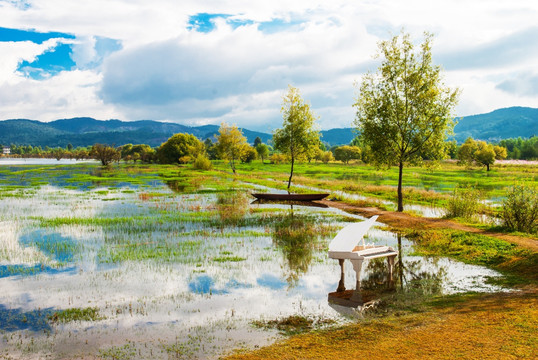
404, 111
231, 144
298, 135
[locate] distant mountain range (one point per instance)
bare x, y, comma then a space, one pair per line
500, 124
496, 125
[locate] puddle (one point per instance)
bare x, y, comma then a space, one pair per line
181, 271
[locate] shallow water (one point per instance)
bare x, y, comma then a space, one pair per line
178, 273
37, 161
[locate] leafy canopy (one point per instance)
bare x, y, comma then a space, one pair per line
346, 153
480, 152
179, 146
404, 110
105, 153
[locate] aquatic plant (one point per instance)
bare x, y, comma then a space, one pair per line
76, 314
232, 206
293, 324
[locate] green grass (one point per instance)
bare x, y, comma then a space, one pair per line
293, 324
76, 314
185, 251
221, 259
382, 183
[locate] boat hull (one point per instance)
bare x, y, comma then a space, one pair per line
290, 197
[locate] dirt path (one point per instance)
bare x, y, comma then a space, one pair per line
402, 220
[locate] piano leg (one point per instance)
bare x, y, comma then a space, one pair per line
341, 286
357, 266
390, 261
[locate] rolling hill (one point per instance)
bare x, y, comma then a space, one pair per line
500, 124
84, 131
88, 131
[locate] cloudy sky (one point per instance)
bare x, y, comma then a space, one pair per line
204, 62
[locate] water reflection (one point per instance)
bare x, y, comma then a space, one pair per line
17, 319
290, 203
296, 237
54, 245
177, 186
170, 274
232, 206
205, 284
412, 279
25, 270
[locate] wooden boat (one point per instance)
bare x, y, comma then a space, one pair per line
289, 197
290, 202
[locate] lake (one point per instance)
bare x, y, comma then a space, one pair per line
177, 272
36, 161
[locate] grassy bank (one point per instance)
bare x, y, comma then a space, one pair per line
499, 326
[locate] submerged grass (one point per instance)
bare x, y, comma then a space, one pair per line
293, 324
76, 314
520, 263
221, 259
177, 252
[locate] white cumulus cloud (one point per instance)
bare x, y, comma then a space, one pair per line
164, 69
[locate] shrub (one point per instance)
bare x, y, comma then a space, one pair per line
278, 158
520, 209
464, 202
327, 156
202, 163
249, 154
180, 147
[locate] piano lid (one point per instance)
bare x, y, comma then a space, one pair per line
349, 237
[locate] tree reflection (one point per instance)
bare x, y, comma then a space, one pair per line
410, 275
297, 237
177, 186
232, 206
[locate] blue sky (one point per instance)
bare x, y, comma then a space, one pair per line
200, 63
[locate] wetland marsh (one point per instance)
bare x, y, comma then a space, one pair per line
167, 262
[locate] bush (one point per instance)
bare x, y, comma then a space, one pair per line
202, 163
179, 147
327, 156
277, 158
520, 209
464, 202
249, 154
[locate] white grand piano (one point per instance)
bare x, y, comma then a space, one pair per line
349, 244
